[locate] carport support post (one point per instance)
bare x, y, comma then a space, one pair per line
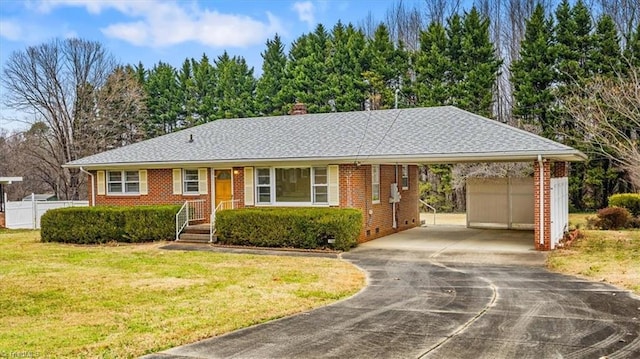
542, 177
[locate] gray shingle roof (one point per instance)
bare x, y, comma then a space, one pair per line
419, 135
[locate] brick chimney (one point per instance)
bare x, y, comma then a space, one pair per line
298, 109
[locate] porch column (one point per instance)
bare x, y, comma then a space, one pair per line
542, 205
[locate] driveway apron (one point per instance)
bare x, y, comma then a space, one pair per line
420, 306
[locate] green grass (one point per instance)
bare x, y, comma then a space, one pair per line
610, 256
122, 301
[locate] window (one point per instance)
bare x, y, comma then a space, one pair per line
190, 181
375, 183
263, 185
320, 185
292, 185
405, 176
123, 182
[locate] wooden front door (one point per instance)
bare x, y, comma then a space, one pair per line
223, 186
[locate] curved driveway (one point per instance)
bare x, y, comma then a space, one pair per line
418, 305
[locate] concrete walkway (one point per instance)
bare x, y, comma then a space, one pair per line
455, 243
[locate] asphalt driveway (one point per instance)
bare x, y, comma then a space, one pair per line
421, 305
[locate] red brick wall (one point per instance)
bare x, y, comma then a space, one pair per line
238, 185
2, 220
546, 206
355, 192
160, 185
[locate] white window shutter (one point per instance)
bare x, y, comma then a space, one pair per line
177, 181
142, 176
202, 181
100, 183
249, 189
334, 185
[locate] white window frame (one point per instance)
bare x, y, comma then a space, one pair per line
272, 187
315, 185
185, 181
405, 177
123, 183
267, 185
375, 184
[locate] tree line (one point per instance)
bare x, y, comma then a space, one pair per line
439, 56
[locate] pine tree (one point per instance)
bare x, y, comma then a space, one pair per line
533, 75
605, 55
164, 100
268, 87
432, 65
480, 65
565, 44
387, 65
234, 88
344, 66
632, 50
307, 74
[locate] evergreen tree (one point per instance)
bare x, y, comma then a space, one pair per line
432, 66
344, 67
455, 53
268, 87
234, 88
533, 75
202, 91
387, 65
605, 55
307, 74
479, 64
565, 43
164, 100
632, 50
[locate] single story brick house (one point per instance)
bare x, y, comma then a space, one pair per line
366, 160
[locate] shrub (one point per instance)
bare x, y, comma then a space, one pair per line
630, 201
95, 225
289, 227
613, 218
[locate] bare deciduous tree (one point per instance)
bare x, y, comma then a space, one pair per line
66, 85
607, 114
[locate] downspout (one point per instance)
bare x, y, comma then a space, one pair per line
541, 201
395, 220
93, 188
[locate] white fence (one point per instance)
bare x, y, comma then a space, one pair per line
26, 214
559, 209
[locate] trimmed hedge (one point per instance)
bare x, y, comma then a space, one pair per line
630, 201
290, 227
101, 224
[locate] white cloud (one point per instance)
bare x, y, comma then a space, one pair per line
10, 30
306, 12
165, 23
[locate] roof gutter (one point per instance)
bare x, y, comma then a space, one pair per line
388, 159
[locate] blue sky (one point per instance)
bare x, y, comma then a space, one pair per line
170, 31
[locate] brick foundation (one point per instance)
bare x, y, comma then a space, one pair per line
3, 223
355, 192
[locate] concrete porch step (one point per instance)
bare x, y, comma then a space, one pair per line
194, 237
197, 229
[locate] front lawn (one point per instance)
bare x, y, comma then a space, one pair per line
610, 256
122, 301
